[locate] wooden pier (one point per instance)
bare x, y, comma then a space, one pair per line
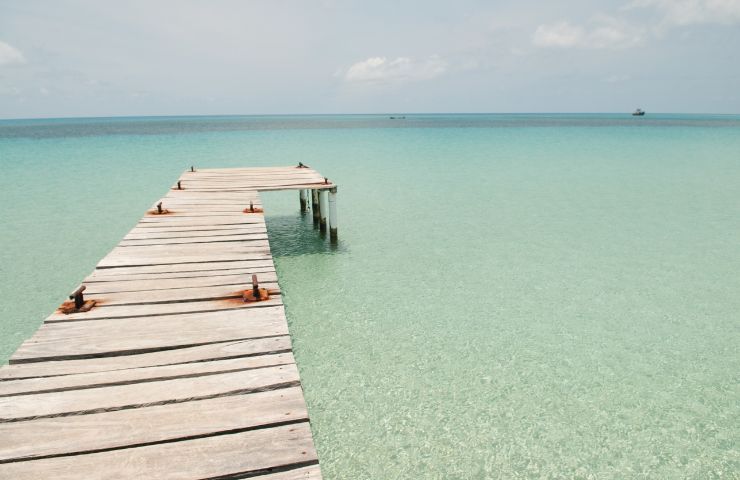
171, 374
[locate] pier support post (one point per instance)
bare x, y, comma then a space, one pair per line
315, 207
302, 196
333, 225
324, 209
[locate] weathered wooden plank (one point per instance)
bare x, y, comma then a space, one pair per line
111, 312
194, 218
286, 186
143, 285
201, 353
253, 184
153, 229
242, 174
201, 201
200, 221
190, 210
186, 250
190, 267
183, 214
243, 272
216, 197
186, 211
67, 340
197, 234
110, 430
139, 375
232, 290
247, 180
137, 395
194, 205
255, 170
185, 195
246, 239
142, 261
241, 177
253, 239
221, 195
222, 456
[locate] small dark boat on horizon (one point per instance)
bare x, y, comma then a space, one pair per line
638, 113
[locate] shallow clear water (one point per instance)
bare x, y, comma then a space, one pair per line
513, 296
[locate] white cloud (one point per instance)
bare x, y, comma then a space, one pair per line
560, 34
402, 69
602, 32
678, 13
9, 54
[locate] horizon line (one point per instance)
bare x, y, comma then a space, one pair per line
94, 117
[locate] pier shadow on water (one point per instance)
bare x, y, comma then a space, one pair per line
295, 235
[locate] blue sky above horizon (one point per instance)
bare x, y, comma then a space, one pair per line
104, 58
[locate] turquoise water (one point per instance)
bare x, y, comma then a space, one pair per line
513, 296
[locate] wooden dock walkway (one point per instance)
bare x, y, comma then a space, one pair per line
171, 374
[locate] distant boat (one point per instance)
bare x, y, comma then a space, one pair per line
638, 113
398, 118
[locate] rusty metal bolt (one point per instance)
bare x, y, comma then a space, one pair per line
78, 297
255, 287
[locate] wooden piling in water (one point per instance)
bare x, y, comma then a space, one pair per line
333, 222
315, 207
324, 210
302, 197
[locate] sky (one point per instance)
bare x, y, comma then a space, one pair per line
66, 58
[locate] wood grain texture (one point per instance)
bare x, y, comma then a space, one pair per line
233, 288
112, 312
190, 267
199, 353
219, 456
192, 274
107, 430
68, 340
140, 375
120, 397
193, 257
144, 285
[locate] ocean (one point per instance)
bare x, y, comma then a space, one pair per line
512, 296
